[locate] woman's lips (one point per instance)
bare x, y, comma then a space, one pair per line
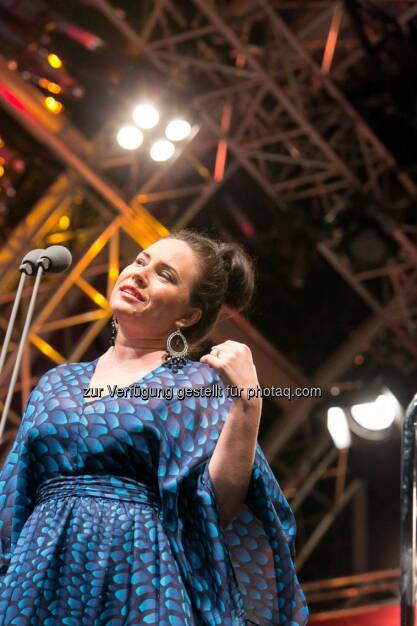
134, 294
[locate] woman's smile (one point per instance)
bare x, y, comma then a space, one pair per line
132, 292
130, 296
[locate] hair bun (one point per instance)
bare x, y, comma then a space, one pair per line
241, 275
227, 256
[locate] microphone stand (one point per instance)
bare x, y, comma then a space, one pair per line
22, 339
408, 516
27, 268
12, 319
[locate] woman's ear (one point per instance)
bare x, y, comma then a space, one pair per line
192, 317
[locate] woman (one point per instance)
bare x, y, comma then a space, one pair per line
109, 510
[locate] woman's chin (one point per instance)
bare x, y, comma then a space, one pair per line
126, 312
125, 303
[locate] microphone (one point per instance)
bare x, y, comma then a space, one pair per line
55, 259
30, 260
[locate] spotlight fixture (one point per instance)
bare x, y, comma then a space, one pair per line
162, 150
130, 137
337, 425
54, 106
374, 420
148, 130
178, 129
145, 116
54, 61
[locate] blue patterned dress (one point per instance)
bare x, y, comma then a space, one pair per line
108, 515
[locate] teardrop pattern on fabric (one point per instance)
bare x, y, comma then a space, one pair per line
108, 514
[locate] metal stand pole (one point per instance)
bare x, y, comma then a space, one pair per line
408, 516
22, 343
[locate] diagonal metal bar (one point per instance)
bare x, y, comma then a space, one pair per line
208, 9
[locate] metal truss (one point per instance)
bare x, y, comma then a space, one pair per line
278, 115
349, 591
262, 78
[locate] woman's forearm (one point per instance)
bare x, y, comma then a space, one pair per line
231, 464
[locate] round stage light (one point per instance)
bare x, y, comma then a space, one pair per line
54, 106
54, 61
145, 116
130, 137
64, 222
178, 129
162, 150
338, 427
376, 415
375, 420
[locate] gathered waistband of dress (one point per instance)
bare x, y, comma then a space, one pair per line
98, 485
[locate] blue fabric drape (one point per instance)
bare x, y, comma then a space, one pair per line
107, 512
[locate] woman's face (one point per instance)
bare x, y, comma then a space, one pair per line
152, 293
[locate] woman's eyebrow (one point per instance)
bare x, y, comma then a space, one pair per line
148, 256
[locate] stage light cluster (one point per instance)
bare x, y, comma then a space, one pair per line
159, 135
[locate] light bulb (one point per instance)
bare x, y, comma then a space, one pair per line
178, 129
130, 137
162, 150
145, 116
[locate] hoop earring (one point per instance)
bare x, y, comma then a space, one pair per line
176, 359
113, 331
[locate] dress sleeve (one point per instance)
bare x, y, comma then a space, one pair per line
16, 493
243, 573
260, 542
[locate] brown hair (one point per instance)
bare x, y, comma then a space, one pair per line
226, 276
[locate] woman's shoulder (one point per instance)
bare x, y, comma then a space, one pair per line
203, 373
57, 372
